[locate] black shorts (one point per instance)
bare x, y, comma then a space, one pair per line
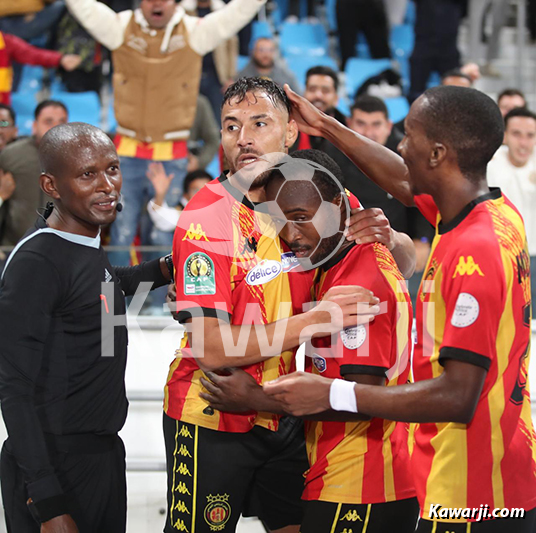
500, 525
326, 517
214, 476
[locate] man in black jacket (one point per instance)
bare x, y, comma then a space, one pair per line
63, 350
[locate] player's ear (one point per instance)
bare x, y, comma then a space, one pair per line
292, 133
48, 185
438, 154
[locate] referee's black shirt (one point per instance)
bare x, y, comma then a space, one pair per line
53, 379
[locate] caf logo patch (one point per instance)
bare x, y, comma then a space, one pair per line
217, 511
199, 276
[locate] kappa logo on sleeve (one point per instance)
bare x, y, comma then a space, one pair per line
467, 267
199, 276
195, 233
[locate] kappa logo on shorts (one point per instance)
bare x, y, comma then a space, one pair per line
351, 516
199, 278
217, 511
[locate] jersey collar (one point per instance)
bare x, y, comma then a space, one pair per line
337, 258
493, 194
234, 192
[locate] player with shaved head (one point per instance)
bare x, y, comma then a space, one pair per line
63, 401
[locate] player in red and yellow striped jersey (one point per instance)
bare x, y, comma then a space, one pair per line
225, 260
474, 443
359, 468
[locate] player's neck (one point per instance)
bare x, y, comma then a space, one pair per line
452, 199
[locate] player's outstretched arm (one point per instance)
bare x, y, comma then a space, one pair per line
381, 165
236, 391
451, 397
225, 345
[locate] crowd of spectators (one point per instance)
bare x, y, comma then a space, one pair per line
168, 76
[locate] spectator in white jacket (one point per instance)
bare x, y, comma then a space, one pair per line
157, 53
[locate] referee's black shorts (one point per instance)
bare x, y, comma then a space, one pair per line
326, 517
214, 477
527, 524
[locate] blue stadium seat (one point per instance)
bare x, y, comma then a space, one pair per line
303, 39
241, 62
411, 13
331, 14
31, 79
398, 108
83, 107
362, 48
358, 71
402, 40
24, 104
343, 105
260, 29
300, 65
433, 80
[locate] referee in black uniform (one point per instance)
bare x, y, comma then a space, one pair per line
62, 467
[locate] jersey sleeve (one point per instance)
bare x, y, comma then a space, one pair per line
426, 205
474, 290
367, 349
30, 294
203, 259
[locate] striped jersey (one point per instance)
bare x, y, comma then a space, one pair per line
474, 306
156, 151
229, 264
367, 461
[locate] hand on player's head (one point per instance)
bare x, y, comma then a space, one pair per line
306, 115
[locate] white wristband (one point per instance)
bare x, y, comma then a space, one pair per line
342, 396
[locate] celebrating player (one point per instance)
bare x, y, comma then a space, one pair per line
359, 468
230, 272
474, 445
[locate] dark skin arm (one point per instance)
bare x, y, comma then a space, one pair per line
238, 392
60, 524
378, 163
451, 397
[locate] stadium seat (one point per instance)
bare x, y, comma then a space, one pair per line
303, 39
358, 71
260, 29
331, 14
411, 13
433, 80
24, 105
343, 105
83, 107
241, 62
31, 79
300, 65
398, 108
402, 40
362, 48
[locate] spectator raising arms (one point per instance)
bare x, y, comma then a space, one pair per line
155, 50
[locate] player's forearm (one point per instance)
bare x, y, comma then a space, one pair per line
404, 254
228, 345
431, 401
378, 163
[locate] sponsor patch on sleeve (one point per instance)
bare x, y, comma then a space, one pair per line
199, 276
466, 311
354, 337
